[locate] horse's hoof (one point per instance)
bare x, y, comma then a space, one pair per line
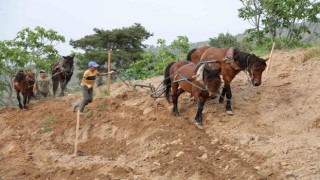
221, 101
199, 126
176, 114
229, 112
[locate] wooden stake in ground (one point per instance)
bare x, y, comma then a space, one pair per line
270, 57
109, 69
77, 133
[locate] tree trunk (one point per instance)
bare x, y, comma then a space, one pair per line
8, 80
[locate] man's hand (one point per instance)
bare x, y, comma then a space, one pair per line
89, 86
34, 89
111, 72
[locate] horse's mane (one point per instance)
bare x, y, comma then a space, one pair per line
190, 53
245, 59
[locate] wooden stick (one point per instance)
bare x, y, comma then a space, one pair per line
270, 57
109, 69
77, 133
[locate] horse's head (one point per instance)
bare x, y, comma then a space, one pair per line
211, 79
252, 63
20, 76
67, 64
256, 68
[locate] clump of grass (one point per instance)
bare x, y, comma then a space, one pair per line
48, 124
89, 114
104, 92
312, 53
102, 107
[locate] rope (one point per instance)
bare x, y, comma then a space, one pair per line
245, 92
186, 79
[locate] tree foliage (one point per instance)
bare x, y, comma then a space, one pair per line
152, 64
38, 45
126, 45
224, 40
30, 49
286, 19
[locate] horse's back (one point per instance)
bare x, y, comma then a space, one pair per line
207, 53
184, 67
182, 72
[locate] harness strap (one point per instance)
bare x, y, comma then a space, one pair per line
188, 81
205, 53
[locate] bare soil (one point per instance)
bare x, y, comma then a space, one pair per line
273, 134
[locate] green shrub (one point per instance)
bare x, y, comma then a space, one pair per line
312, 53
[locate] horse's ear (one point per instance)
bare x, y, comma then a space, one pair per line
266, 59
64, 57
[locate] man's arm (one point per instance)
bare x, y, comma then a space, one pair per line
104, 74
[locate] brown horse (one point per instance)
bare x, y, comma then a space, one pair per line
200, 80
24, 82
232, 61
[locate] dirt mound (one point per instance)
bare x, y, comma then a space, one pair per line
274, 133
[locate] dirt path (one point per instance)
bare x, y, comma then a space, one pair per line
274, 133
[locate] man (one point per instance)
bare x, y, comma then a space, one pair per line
87, 83
43, 84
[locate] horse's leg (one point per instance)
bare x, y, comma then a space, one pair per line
29, 97
55, 83
229, 96
179, 92
175, 96
25, 97
223, 93
19, 100
63, 84
198, 118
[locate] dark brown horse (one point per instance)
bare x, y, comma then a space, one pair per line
232, 61
200, 80
61, 73
24, 82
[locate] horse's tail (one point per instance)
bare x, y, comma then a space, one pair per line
190, 53
167, 81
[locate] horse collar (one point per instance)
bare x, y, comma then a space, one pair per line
199, 74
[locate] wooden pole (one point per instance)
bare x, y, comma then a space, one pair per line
109, 69
270, 57
77, 133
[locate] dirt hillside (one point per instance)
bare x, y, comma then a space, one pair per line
273, 134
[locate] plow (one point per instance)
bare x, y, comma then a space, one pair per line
155, 92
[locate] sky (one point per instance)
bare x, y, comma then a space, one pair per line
199, 20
